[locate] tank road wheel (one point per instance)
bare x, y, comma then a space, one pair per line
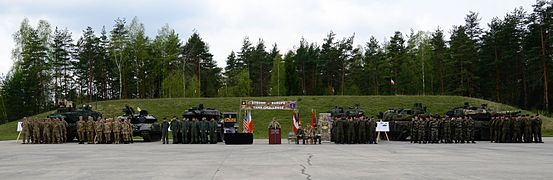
146, 136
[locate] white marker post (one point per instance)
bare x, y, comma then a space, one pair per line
382, 127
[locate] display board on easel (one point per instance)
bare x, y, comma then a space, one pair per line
382, 127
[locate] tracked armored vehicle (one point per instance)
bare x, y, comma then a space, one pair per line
144, 124
201, 112
400, 120
70, 114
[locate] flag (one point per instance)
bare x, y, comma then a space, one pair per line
313, 119
295, 123
250, 122
392, 82
245, 124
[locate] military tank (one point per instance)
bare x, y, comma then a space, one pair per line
199, 112
346, 112
70, 114
400, 119
481, 116
144, 124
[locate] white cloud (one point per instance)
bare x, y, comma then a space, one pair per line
224, 24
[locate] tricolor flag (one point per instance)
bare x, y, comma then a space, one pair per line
250, 122
245, 124
296, 123
313, 119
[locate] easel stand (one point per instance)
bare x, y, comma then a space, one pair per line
378, 136
18, 135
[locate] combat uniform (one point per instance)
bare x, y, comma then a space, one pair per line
536, 129
116, 131
165, 132
90, 130
99, 131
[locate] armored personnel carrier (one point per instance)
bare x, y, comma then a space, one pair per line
70, 114
144, 124
200, 112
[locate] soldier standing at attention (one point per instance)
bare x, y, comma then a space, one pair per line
471, 130
55, 132
505, 126
195, 131
64, 125
351, 131
517, 129
421, 129
492, 129
181, 131
116, 131
81, 130
339, 131
204, 125
47, 132
131, 129
212, 131
165, 131
25, 130
434, 130
36, 131
187, 128
107, 130
174, 129
124, 132
527, 128
90, 130
536, 128
458, 129
363, 127
99, 127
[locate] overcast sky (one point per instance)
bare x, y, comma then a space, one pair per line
224, 24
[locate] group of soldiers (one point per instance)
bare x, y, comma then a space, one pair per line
434, 129
354, 130
104, 131
44, 131
190, 131
309, 135
516, 129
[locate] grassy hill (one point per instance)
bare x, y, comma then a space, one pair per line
370, 104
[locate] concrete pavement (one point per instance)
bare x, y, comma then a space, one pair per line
387, 160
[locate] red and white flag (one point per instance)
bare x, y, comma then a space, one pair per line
392, 82
296, 123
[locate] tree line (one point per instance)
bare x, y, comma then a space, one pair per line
508, 62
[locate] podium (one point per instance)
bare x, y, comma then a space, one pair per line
274, 135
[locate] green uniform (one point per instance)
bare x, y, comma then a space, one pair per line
362, 135
372, 131
175, 130
517, 130
195, 132
470, 130
187, 131
339, 138
505, 129
213, 131
165, 132
204, 126
434, 125
182, 132
351, 132
527, 129
536, 129
458, 130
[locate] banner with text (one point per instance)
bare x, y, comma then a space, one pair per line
268, 105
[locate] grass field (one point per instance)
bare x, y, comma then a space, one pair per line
370, 104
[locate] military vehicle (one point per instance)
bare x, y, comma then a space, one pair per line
481, 116
200, 112
71, 115
400, 120
144, 124
346, 112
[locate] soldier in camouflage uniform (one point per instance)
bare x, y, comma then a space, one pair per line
47, 132
182, 135
99, 127
55, 125
175, 129
527, 128
204, 126
107, 130
505, 128
421, 130
187, 131
413, 127
458, 124
434, 127
36, 131
339, 129
25, 131
363, 127
372, 131
517, 129
116, 131
81, 130
165, 131
536, 129
470, 130
64, 125
195, 131
213, 131
90, 130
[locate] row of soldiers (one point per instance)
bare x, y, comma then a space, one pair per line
104, 131
516, 129
44, 131
190, 131
354, 130
434, 129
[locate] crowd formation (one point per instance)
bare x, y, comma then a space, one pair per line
104, 131
434, 129
190, 131
516, 129
354, 130
44, 131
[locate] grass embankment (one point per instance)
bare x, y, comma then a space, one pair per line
370, 104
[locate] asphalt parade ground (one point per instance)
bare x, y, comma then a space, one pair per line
387, 160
